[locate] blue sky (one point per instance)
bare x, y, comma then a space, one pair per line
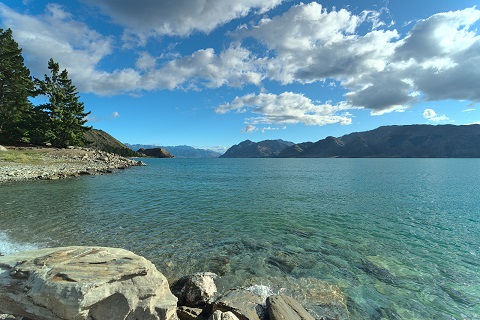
212, 73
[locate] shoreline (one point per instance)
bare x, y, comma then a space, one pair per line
38, 163
73, 286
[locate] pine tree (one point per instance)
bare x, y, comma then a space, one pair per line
16, 86
61, 120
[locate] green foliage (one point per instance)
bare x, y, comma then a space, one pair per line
16, 86
61, 120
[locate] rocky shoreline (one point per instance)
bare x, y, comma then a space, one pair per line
59, 163
100, 283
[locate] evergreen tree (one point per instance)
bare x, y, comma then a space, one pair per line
61, 120
16, 86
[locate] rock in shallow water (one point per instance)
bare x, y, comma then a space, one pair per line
195, 290
84, 283
281, 307
219, 315
188, 313
244, 303
321, 299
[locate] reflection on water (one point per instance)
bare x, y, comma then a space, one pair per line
400, 237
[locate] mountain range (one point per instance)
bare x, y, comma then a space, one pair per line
178, 151
409, 141
262, 149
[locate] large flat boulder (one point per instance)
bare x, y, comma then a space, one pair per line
78, 283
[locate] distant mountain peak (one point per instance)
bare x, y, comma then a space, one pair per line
262, 149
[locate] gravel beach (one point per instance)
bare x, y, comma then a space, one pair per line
36, 163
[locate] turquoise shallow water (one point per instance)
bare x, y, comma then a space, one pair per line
400, 237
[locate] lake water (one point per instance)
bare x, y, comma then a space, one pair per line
400, 237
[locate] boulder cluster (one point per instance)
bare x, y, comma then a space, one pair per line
97, 283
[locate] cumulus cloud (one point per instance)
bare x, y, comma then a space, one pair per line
286, 108
115, 114
445, 51
431, 115
178, 17
145, 62
438, 59
80, 50
379, 69
232, 67
312, 44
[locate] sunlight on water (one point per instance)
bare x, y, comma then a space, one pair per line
385, 238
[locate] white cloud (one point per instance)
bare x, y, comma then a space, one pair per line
92, 118
77, 49
80, 50
431, 115
312, 44
232, 67
440, 35
77, 46
145, 18
264, 129
438, 59
249, 128
379, 70
286, 108
145, 62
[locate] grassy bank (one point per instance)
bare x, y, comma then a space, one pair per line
21, 156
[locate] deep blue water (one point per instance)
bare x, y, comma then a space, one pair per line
400, 237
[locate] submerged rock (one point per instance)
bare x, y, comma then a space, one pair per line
378, 272
84, 283
283, 261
